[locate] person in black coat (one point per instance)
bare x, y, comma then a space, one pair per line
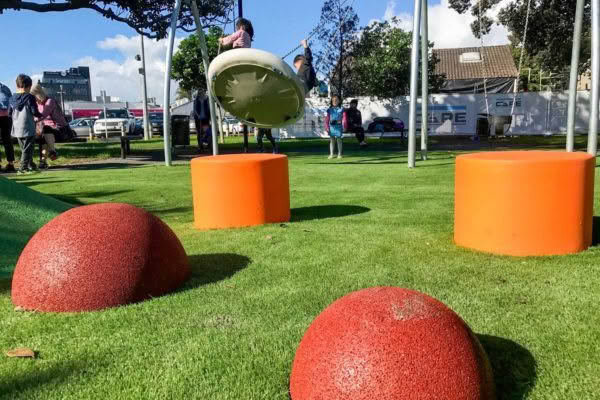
306, 71
201, 115
354, 118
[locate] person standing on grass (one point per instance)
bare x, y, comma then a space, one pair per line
5, 129
259, 138
335, 122
23, 109
53, 124
354, 118
201, 115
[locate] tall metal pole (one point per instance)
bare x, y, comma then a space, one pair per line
103, 94
573, 78
205, 60
424, 79
593, 131
240, 9
414, 69
167, 94
147, 130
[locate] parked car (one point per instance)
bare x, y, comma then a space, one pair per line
82, 126
155, 119
230, 124
116, 120
139, 127
389, 124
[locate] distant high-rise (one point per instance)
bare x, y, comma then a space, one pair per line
76, 84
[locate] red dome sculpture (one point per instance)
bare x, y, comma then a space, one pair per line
98, 256
390, 343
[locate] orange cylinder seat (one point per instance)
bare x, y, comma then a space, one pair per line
524, 203
238, 190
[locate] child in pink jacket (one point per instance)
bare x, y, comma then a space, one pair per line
242, 38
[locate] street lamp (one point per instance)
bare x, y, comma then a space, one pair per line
142, 71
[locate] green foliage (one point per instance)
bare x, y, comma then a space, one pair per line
550, 32
188, 68
148, 17
337, 32
381, 62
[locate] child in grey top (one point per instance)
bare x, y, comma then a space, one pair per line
22, 109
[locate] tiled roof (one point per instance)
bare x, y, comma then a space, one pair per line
499, 63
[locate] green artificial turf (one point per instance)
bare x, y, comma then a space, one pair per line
22, 212
232, 331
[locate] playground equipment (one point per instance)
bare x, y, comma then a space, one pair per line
240, 190
524, 203
257, 87
420, 7
98, 256
390, 343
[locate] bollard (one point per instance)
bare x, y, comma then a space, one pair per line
122, 130
123, 147
91, 133
128, 144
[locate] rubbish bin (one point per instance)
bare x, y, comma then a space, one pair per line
180, 130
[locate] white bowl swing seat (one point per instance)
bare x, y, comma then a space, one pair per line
257, 87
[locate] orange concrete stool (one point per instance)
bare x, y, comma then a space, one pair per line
237, 190
524, 203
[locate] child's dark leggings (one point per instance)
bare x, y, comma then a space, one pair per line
27, 146
265, 132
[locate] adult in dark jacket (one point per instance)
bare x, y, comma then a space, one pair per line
201, 115
6, 128
306, 71
354, 118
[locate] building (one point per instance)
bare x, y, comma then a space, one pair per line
465, 69
73, 84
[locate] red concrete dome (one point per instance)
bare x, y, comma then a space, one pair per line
390, 343
98, 256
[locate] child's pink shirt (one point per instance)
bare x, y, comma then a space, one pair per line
240, 39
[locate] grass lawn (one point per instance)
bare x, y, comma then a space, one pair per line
232, 331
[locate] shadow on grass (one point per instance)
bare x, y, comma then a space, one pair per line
22, 381
210, 268
97, 166
596, 231
5, 283
323, 212
73, 198
515, 369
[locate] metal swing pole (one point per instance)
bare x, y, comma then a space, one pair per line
424, 80
206, 62
414, 69
593, 131
167, 94
573, 77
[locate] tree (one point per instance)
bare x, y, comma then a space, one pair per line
183, 94
148, 17
188, 68
381, 62
550, 31
337, 31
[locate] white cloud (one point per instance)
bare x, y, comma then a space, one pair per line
121, 78
449, 29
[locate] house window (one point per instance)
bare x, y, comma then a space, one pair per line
471, 57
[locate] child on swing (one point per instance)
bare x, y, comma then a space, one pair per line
242, 37
335, 124
306, 71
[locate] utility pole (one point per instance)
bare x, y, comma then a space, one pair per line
62, 99
103, 94
147, 130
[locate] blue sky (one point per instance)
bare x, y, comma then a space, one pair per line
58, 41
